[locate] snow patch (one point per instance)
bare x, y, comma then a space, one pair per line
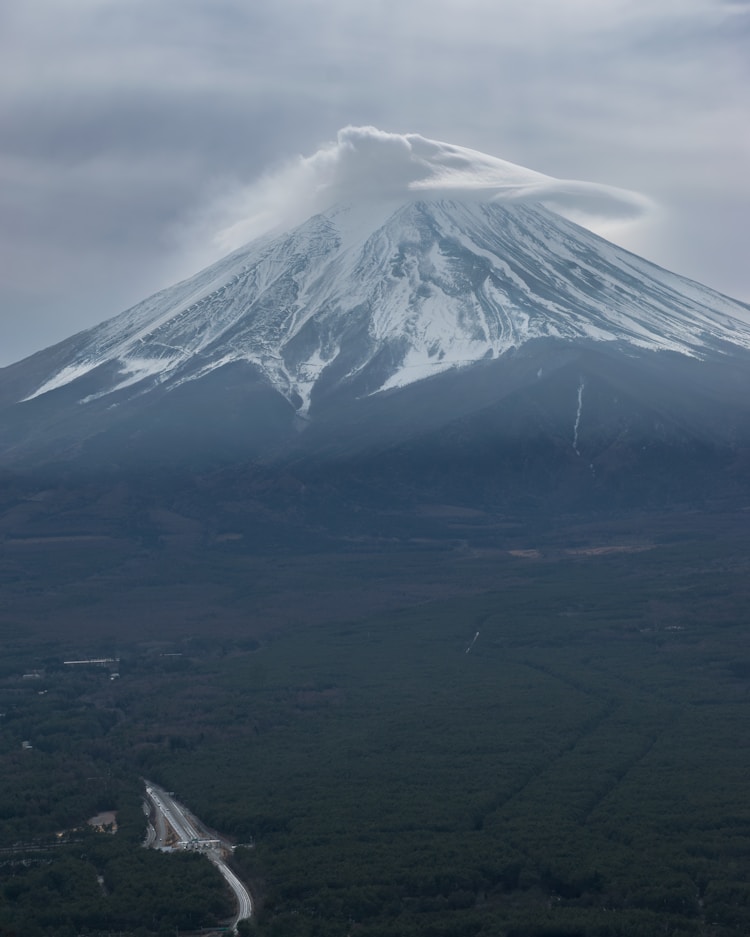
577, 423
135, 370
69, 373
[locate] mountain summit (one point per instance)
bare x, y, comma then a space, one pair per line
376, 296
390, 321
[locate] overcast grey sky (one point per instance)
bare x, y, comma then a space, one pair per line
130, 130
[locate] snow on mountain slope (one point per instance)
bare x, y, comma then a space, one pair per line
379, 294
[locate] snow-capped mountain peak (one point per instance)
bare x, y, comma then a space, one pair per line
377, 295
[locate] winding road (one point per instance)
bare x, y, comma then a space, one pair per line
175, 826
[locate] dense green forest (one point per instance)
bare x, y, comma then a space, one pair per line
562, 754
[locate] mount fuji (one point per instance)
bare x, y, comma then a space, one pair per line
448, 339
373, 297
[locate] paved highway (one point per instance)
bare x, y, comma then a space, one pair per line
175, 825
244, 901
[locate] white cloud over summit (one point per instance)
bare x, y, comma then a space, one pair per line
367, 163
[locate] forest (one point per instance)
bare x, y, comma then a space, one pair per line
562, 753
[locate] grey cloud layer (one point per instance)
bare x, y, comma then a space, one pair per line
130, 131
